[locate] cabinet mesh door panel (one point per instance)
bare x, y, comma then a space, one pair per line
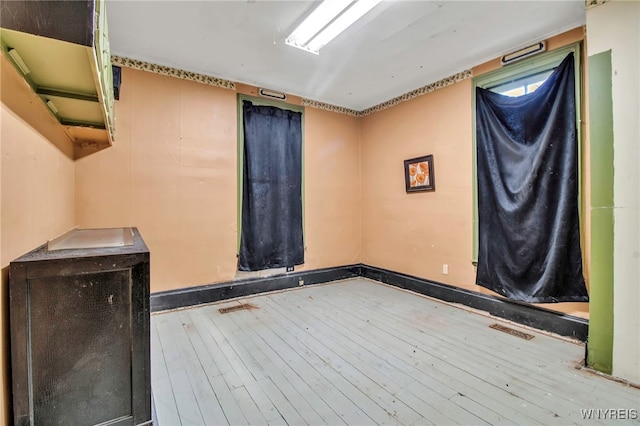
80, 330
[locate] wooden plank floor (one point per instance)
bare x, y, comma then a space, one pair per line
357, 352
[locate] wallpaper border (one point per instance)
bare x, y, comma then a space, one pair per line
330, 107
588, 4
226, 84
447, 81
172, 72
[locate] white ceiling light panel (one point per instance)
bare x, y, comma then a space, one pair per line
326, 22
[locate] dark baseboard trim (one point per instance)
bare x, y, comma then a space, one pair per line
521, 313
191, 296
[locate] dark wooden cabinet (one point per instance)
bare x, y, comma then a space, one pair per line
79, 320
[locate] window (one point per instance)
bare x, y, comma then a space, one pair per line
522, 85
270, 185
516, 80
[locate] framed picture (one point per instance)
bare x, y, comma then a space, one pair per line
419, 174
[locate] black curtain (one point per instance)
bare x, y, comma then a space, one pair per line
271, 234
529, 234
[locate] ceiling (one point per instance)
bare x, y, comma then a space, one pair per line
395, 48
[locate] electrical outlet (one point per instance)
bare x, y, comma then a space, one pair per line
289, 268
445, 269
300, 282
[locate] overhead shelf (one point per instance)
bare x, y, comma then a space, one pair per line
61, 50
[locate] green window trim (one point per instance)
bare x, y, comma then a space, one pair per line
534, 65
601, 319
263, 102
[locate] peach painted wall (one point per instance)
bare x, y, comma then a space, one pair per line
37, 189
417, 233
332, 189
37, 204
172, 172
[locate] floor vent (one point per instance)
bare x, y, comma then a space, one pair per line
237, 308
511, 331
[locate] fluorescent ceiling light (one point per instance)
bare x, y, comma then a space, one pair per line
319, 18
52, 107
18, 61
341, 23
324, 24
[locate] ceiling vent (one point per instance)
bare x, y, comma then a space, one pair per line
523, 53
266, 93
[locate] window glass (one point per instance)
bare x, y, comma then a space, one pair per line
523, 85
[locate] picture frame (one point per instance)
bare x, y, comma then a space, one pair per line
419, 174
